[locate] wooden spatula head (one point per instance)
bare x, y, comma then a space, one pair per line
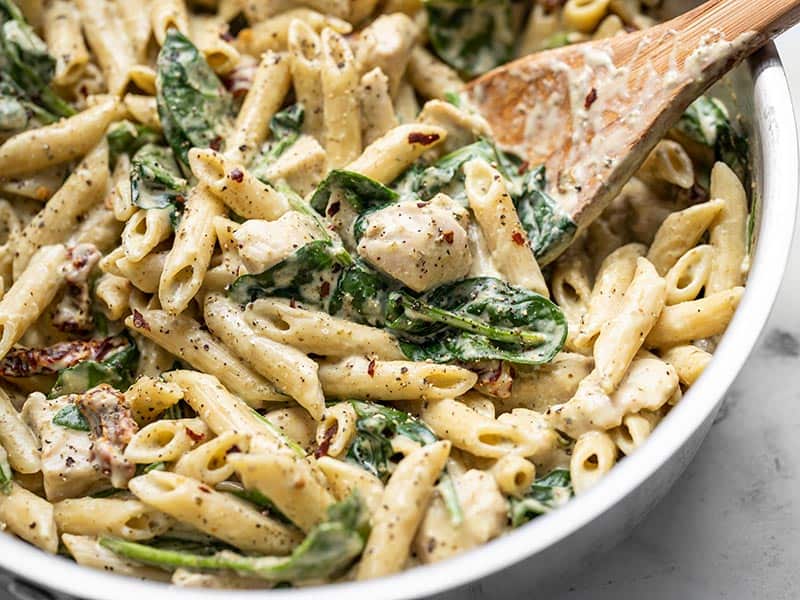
591, 112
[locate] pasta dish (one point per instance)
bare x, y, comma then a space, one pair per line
276, 310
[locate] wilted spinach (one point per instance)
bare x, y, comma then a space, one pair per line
116, 370
284, 128
26, 69
550, 228
470, 320
472, 36
156, 181
706, 122
376, 425
545, 494
6, 475
360, 191
126, 137
309, 275
72, 418
328, 550
193, 105
446, 174
477, 319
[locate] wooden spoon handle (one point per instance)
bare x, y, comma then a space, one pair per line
732, 18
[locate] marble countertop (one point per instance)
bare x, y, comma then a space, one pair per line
730, 528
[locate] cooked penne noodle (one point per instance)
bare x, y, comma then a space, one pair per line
63, 141
507, 241
127, 519
358, 377
340, 109
62, 30
221, 515
184, 338
315, 332
187, 261
291, 371
401, 510
236, 187
270, 85
594, 455
698, 319
108, 38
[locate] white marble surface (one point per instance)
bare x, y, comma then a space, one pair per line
730, 528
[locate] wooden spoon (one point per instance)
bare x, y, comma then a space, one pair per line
592, 112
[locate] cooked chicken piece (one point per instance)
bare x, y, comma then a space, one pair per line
485, 513
421, 244
112, 427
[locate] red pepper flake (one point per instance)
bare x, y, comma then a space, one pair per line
421, 204
204, 489
325, 444
236, 175
426, 139
371, 368
196, 437
447, 236
292, 303
590, 98
518, 238
139, 322
334, 208
523, 167
325, 289
226, 36
215, 144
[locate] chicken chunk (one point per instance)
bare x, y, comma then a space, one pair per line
421, 244
112, 427
485, 516
263, 244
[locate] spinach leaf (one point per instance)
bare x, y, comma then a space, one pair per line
156, 181
193, 105
549, 227
309, 275
285, 129
706, 122
545, 494
447, 176
26, 70
328, 550
126, 137
6, 475
116, 370
359, 190
72, 418
472, 36
477, 319
376, 425
360, 294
